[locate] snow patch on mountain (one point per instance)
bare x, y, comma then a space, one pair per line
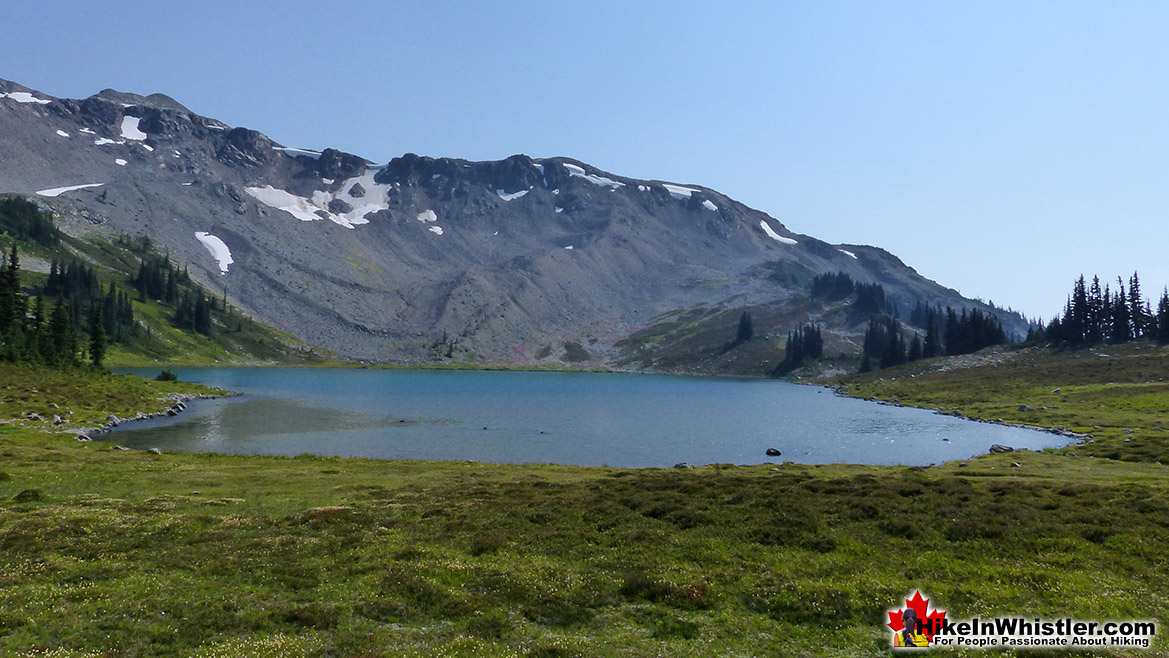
679, 192
297, 206
709, 206
130, 129
289, 151
25, 97
217, 248
102, 141
58, 191
775, 236
847, 253
120, 162
427, 216
514, 195
62, 133
579, 172
437, 230
311, 210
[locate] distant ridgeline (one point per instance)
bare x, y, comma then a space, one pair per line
86, 313
1094, 315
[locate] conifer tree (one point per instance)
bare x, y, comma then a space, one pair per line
933, 344
97, 337
1163, 318
1136, 307
1121, 327
746, 330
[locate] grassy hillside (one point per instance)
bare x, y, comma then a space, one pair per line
235, 338
107, 552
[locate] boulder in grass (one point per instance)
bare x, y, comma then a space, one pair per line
998, 447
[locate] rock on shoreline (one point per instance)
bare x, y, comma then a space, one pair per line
178, 405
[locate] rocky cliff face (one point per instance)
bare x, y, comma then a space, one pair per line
419, 258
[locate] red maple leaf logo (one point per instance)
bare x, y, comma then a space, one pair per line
930, 623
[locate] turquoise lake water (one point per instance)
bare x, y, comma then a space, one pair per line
564, 418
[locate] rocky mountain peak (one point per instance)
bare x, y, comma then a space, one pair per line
246, 148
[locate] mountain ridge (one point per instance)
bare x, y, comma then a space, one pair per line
421, 258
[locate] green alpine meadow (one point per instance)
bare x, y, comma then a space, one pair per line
129, 553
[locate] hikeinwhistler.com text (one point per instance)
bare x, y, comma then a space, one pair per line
1020, 632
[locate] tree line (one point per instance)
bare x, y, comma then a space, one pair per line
22, 219
804, 345
29, 335
947, 333
72, 317
1095, 314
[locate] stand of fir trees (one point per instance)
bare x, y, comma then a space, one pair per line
27, 335
158, 279
804, 345
947, 333
47, 324
21, 219
868, 298
1095, 314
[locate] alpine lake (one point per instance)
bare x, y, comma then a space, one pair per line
589, 419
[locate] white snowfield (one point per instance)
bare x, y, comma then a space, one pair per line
25, 97
62, 133
311, 210
130, 129
775, 236
87, 131
706, 203
58, 191
437, 230
291, 152
679, 192
102, 141
514, 195
579, 172
847, 253
427, 216
120, 162
218, 249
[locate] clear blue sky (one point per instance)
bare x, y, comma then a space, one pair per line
1001, 148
